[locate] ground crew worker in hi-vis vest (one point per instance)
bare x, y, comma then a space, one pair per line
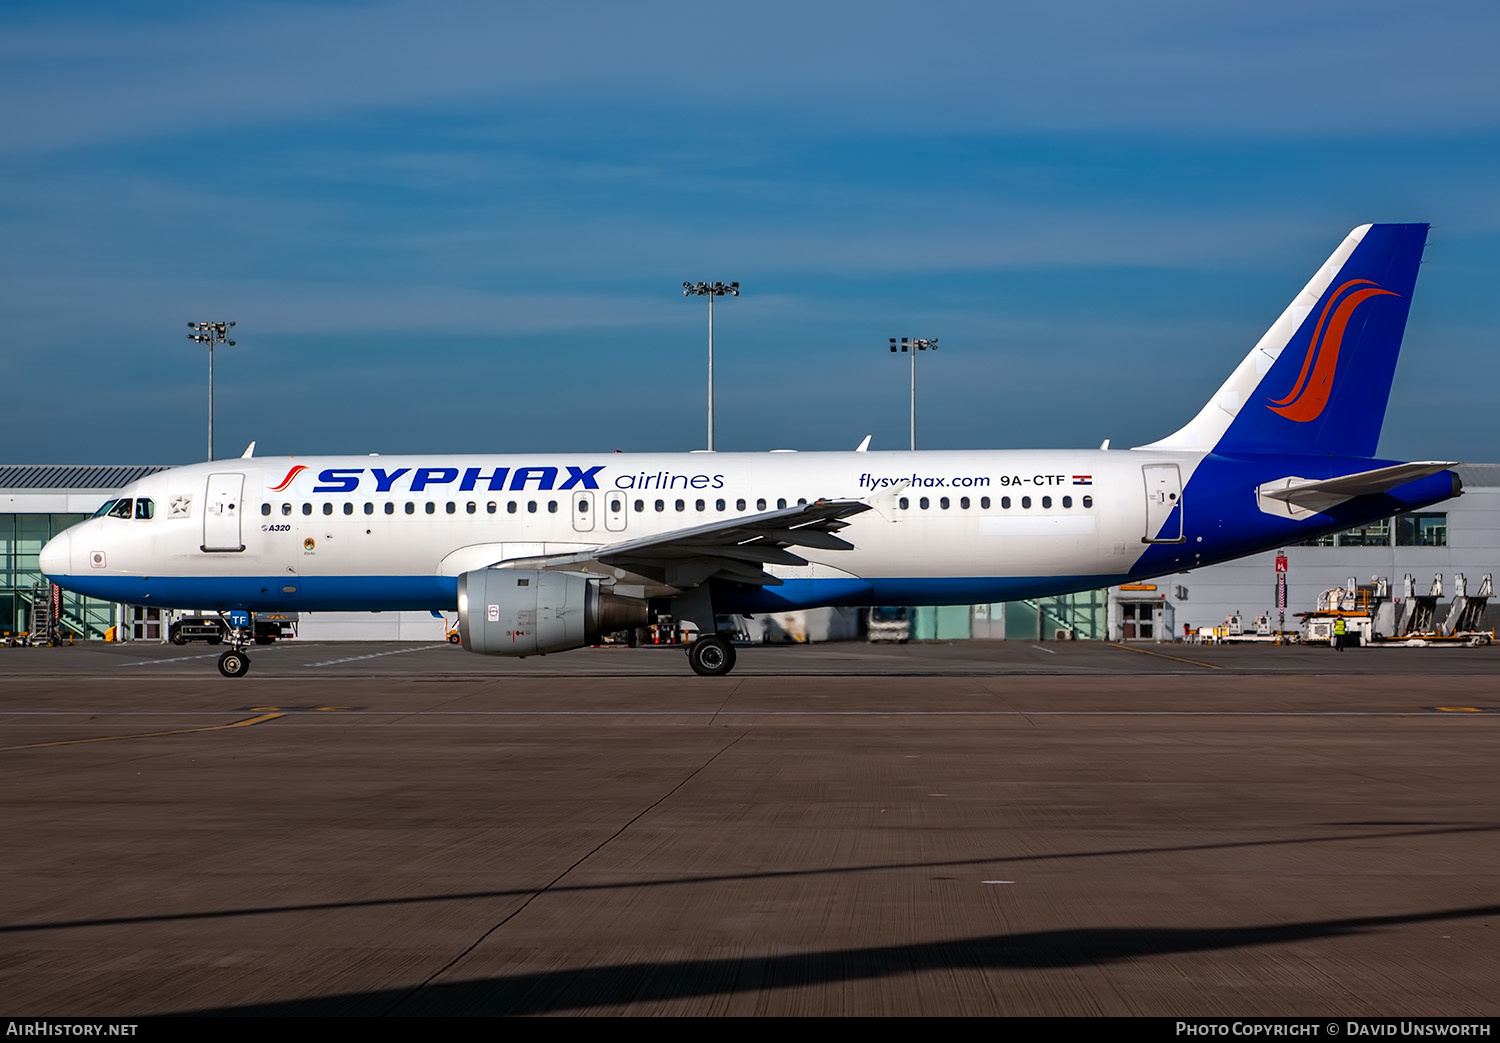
1339, 629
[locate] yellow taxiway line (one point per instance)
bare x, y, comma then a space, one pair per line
246, 723
1147, 651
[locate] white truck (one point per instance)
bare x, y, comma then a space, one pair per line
889, 623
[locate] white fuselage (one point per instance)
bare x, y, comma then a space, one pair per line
936, 516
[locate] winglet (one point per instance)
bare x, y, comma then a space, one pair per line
864, 446
249, 451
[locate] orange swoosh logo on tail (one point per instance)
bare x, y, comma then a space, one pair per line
1309, 395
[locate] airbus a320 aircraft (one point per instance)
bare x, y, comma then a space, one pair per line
543, 554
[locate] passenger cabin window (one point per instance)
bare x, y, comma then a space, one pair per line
760, 504
369, 508
681, 505
265, 510
390, 508
472, 507
698, 506
411, 508
307, 508
904, 503
1067, 501
286, 508
963, 503
943, 503
739, 505
1046, 501
551, 506
328, 508
1026, 502
1005, 503
1088, 501
781, 503
510, 507
431, 506
490, 507
530, 506
984, 503
348, 508
451, 508
661, 505
583, 505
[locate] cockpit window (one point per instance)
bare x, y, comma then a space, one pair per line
122, 508
145, 509
105, 508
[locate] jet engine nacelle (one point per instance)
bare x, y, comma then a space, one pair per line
522, 612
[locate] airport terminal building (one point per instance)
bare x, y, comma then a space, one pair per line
1459, 536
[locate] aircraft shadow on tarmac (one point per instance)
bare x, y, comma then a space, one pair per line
774, 874
594, 987
613, 985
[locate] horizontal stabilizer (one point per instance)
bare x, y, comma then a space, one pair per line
1295, 497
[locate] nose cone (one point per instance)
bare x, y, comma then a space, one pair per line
56, 557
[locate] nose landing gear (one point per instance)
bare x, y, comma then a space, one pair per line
236, 663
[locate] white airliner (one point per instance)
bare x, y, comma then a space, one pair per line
542, 554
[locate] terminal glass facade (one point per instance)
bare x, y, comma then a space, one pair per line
1425, 529
1080, 616
21, 540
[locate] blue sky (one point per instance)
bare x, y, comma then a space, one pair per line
457, 226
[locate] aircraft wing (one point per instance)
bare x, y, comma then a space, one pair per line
735, 549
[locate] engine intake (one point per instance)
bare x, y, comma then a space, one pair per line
522, 612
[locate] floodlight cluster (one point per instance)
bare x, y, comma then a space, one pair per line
706, 289
914, 343
210, 332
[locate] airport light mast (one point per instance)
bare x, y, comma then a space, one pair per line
914, 345
211, 333
710, 290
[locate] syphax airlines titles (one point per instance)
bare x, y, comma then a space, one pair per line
542, 554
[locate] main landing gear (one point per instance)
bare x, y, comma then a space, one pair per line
236, 663
711, 656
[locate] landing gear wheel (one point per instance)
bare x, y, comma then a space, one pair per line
711, 656
234, 664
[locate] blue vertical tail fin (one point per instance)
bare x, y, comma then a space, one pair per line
1319, 380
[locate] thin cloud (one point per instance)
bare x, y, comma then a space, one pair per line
1331, 70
